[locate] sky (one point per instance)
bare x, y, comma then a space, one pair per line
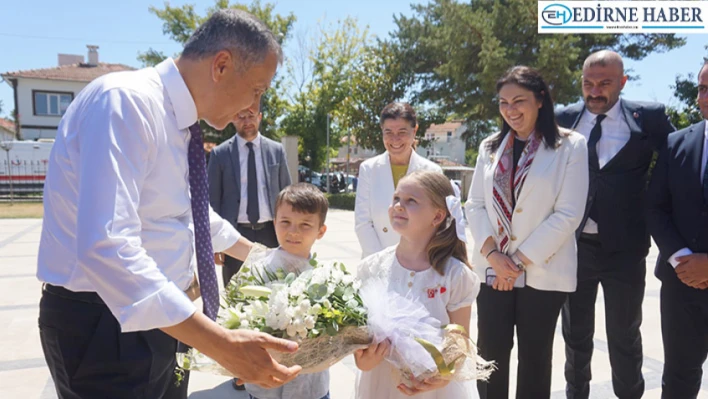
34, 32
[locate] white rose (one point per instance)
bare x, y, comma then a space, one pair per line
337, 275
305, 306
290, 312
310, 322
244, 323
316, 309
298, 324
291, 331
352, 304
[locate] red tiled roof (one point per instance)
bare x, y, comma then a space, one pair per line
74, 72
446, 162
7, 124
444, 127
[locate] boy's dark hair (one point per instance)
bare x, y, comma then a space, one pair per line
304, 198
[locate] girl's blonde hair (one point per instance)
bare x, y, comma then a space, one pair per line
444, 243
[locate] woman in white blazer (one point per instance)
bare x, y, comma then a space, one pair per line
378, 177
526, 200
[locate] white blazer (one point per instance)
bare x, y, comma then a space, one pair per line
374, 195
549, 210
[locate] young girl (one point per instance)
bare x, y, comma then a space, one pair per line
430, 264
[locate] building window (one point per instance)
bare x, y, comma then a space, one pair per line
449, 136
51, 103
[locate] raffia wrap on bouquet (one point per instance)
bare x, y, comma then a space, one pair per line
313, 303
420, 346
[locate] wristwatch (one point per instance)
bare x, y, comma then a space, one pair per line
518, 262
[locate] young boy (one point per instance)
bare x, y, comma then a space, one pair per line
300, 213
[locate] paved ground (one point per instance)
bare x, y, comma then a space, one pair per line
23, 372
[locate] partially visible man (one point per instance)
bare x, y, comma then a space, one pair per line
613, 240
246, 174
678, 221
127, 222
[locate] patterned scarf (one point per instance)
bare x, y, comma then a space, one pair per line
508, 183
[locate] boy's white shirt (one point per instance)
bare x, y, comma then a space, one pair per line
314, 385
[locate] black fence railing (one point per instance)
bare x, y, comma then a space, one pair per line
21, 179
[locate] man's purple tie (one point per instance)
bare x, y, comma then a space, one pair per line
200, 214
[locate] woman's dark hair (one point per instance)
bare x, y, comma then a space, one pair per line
531, 80
398, 110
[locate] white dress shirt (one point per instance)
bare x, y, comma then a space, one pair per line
263, 206
615, 135
118, 218
704, 159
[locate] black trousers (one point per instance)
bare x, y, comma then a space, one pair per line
535, 315
265, 236
622, 277
684, 330
89, 357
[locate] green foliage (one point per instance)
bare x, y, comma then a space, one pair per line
686, 91
457, 50
322, 73
471, 156
342, 201
445, 59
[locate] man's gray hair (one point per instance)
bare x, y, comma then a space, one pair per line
245, 36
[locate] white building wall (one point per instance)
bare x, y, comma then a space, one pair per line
40, 126
454, 150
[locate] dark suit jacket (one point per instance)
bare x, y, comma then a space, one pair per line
224, 171
618, 189
678, 213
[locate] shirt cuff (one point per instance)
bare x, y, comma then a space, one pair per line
167, 307
224, 236
678, 254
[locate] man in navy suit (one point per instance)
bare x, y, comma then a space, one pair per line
613, 240
678, 221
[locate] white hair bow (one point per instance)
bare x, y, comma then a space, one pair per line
454, 205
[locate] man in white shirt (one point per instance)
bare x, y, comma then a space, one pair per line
613, 240
678, 221
246, 174
127, 224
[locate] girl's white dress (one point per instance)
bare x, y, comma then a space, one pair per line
457, 288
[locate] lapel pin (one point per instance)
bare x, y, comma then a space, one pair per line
635, 115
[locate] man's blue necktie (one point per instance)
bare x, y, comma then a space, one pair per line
252, 207
199, 190
705, 181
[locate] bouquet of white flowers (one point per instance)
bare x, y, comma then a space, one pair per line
314, 303
322, 307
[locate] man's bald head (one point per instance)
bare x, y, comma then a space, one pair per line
604, 58
603, 80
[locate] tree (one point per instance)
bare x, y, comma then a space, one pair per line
322, 75
457, 50
1, 106
686, 91
180, 22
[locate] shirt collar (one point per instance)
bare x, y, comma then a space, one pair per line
705, 132
613, 113
184, 107
256, 142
